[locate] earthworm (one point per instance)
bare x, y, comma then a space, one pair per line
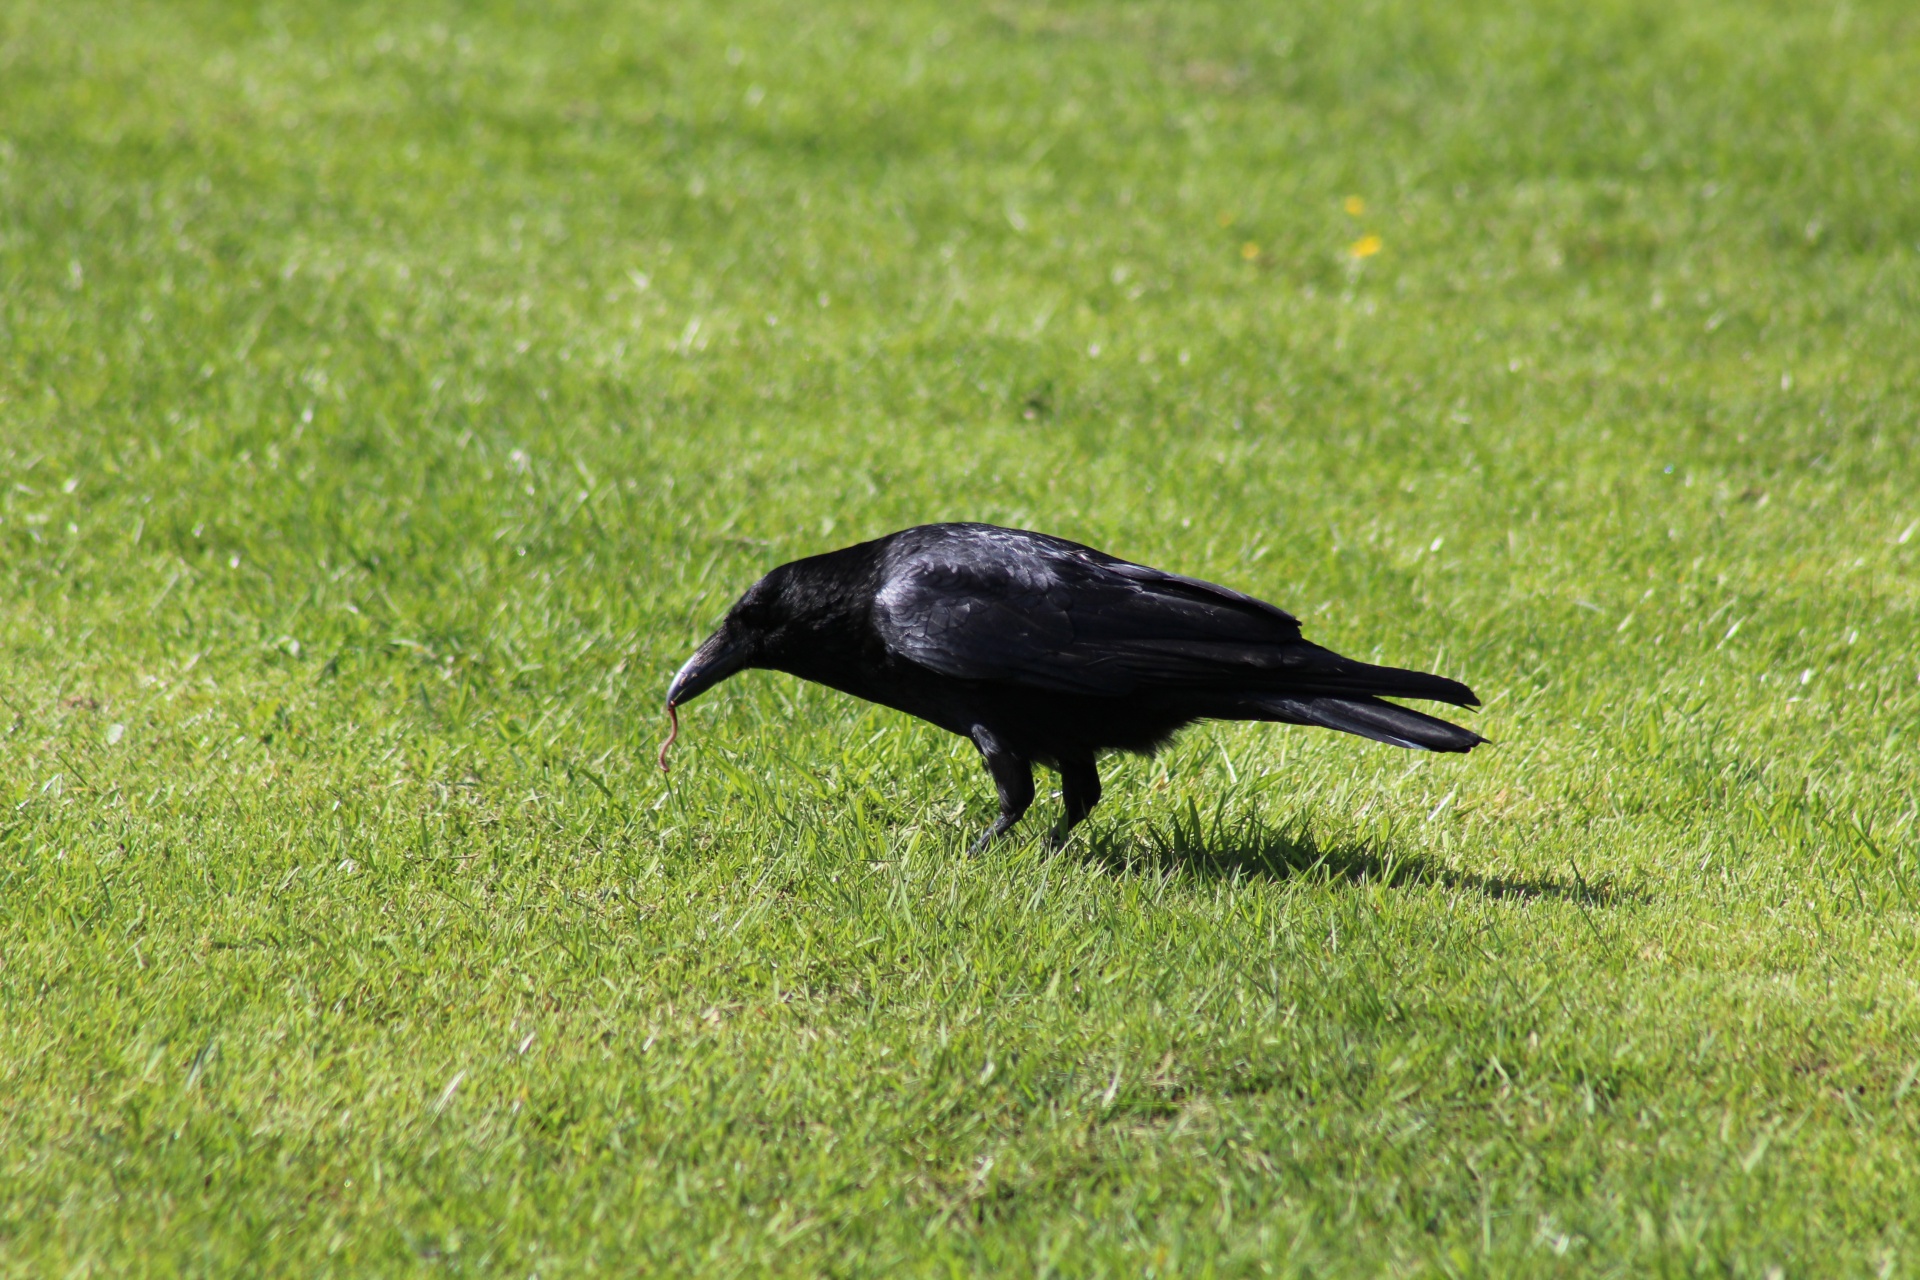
673, 716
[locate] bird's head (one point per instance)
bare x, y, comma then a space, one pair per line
752, 635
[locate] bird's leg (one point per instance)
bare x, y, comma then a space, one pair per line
1079, 792
1012, 777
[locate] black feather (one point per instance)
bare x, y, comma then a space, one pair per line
1041, 649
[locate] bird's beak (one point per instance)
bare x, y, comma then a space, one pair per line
711, 663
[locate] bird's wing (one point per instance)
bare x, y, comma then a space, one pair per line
980, 603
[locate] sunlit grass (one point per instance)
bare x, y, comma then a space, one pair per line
390, 399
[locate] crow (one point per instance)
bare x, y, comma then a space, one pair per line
1043, 650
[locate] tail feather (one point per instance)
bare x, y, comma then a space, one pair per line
1344, 678
1369, 718
1297, 669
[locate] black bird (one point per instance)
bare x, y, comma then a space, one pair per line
1040, 649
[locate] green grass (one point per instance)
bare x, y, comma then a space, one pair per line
391, 396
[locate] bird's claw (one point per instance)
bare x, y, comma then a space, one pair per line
1005, 824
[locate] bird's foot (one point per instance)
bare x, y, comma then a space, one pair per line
1004, 824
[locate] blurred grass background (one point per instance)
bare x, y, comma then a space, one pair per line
390, 398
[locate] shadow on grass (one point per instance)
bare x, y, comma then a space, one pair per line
1252, 850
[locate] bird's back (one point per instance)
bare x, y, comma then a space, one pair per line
980, 602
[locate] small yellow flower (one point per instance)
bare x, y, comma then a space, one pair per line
1226, 217
1355, 205
1365, 247
1250, 251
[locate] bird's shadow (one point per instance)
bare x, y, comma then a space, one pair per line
1254, 850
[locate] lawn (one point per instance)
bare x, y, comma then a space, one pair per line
392, 396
